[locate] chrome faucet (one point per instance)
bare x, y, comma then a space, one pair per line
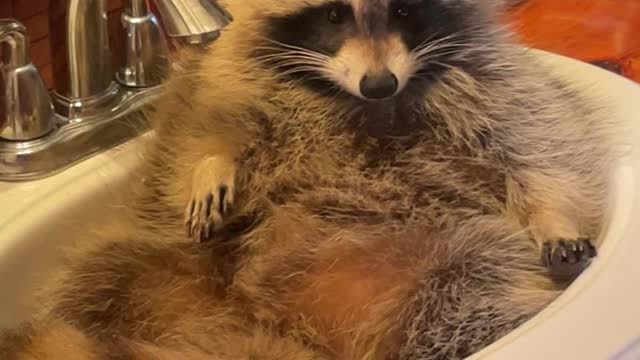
95, 107
25, 106
194, 21
146, 61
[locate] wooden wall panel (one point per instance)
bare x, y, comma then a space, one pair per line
114, 5
37, 26
116, 34
6, 9
24, 9
41, 52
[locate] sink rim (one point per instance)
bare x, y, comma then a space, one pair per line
619, 231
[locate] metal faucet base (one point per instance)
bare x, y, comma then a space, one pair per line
93, 108
77, 139
74, 109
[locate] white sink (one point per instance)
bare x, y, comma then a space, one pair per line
39, 218
596, 318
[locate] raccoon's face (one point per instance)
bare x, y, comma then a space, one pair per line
372, 49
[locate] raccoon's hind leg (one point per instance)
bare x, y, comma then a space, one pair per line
566, 257
56, 340
482, 283
564, 250
562, 217
212, 195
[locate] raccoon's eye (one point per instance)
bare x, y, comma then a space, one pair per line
336, 15
402, 11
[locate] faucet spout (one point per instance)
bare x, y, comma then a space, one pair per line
196, 21
88, 53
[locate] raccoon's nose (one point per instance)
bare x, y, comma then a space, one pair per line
376, 86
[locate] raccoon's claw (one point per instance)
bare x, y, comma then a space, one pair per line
205, 213
567, 258
211, 198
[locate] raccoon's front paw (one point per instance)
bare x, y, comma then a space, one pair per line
567, 258
211, 199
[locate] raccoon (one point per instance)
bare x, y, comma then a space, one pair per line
395, 83
361, 179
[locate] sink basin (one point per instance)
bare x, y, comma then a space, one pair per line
596, 318
39, 218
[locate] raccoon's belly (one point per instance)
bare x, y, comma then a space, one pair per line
355, 296
410, 206
403, 200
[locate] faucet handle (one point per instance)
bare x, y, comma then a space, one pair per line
14, 34
26, 110
196, 21
147, 53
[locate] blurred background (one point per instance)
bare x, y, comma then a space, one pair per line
603, 32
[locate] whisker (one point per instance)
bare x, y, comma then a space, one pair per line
281, 52
293, 58
276, 61
431, 44
291, 47
448, 66
435, 55
302, 69
434, 47
292, 61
